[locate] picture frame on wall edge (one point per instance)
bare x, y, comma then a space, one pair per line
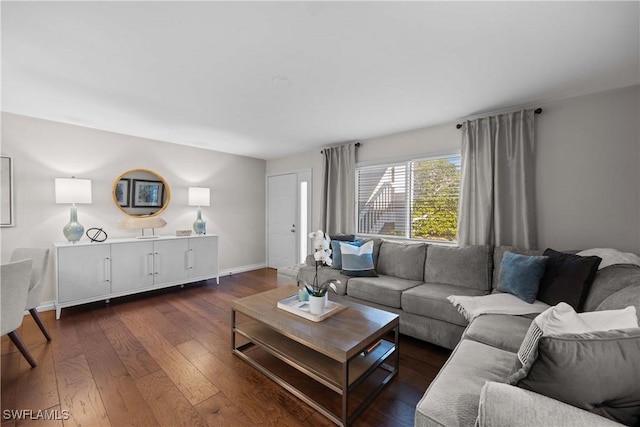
147, 194
7, 218
123, 192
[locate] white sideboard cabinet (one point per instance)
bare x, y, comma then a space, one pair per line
88, 272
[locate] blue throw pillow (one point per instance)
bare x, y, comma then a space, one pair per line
520, 275
357, 260
336, 253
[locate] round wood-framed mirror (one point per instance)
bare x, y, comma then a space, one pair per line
141, 193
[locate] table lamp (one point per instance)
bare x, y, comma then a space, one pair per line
199, 196
73, 190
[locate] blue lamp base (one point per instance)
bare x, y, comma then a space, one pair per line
74, 230
199, 226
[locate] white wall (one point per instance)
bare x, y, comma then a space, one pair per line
588, 168
419, 142
43, 150
588, 175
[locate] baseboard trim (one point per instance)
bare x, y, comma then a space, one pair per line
49, 305
45, 306
242, 269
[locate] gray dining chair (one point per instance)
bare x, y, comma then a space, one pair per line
39, 258
14, 287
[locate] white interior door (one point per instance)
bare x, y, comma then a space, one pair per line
282, 225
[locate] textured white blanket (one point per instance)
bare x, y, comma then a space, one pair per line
611, 256
503, 303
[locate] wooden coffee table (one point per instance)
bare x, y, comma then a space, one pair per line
333, 352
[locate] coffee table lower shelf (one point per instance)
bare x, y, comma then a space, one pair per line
340, 377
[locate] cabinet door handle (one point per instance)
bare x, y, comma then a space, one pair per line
156, 263
107, 269
150, 264
190, 259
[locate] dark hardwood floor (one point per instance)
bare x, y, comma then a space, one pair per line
164, 358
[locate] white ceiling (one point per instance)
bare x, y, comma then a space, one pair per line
266, 79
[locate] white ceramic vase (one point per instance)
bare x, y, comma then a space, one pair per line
316, 304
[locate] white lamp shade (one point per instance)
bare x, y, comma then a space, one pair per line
73, 190
199, 196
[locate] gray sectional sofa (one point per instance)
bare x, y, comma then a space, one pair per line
415, 279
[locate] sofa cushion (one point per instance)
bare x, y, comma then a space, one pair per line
520, 275
568, 368
629, 296
430, 299
469, 267
452, 398
403, 260
506, 405
438, 332
610, 280
499, 330
498, 253
567, 278
385, 290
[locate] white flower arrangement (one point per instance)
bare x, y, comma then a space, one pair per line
322, 247
322, 255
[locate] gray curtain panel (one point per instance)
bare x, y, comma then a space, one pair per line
497, 189
338, 192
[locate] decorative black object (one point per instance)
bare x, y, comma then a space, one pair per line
96, 234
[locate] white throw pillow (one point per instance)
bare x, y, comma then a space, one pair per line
555, 320
606, 320
562, 319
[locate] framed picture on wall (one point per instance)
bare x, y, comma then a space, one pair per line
122, 193
147, 194
6, 191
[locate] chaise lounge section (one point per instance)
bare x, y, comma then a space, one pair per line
415, 280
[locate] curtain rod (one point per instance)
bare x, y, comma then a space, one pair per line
537, 111
357, 144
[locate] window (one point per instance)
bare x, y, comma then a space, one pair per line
303, 234
417, 199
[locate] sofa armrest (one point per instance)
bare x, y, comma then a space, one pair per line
310, 260
506, 405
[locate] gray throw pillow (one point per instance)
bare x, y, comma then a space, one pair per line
595, 371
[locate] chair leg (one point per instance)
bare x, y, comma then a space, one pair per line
18, 342
41, 325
